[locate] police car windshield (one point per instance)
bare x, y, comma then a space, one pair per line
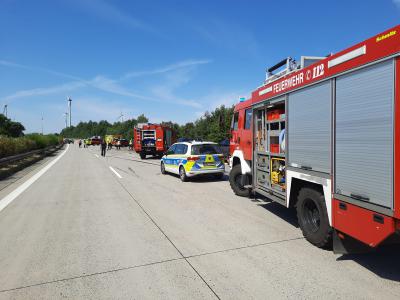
205, 149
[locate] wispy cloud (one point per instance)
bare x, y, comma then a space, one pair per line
112, 86
218, 98
169, 68
397, 3
63, 88
111, 13
11, 64
160, 93
176, 75
229, 35
226, 98
171, 82
100, 109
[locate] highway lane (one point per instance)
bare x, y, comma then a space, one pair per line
80, 231
75, 232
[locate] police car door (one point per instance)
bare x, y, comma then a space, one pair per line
169, 160
180, 156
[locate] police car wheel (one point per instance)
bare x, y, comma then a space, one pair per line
182, 174
162, 168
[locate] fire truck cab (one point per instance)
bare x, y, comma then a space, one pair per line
323, 135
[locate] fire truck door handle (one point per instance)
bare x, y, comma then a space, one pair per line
248, 143
359, 197
379, 219
306, 167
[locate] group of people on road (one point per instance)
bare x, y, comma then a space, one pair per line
82, 142
104, 146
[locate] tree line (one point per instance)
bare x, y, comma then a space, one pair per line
88, 129
212, 126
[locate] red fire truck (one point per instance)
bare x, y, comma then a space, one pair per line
323, 135
152, 139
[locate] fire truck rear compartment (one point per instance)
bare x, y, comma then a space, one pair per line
340, 129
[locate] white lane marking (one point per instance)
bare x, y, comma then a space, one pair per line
19, 190
96, 155
115, 172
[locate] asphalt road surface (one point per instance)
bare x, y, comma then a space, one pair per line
116, 228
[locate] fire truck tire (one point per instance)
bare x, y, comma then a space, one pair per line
313, 218
162, 168
182, 174
235, 179
142, 155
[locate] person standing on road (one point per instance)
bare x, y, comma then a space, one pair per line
131, 144
103, 147
80, 143
118, 145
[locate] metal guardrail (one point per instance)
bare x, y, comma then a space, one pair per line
14, 158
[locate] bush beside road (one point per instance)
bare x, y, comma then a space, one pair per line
10, 146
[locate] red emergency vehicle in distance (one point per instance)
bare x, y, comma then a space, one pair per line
323, 135
152, 139
95, 140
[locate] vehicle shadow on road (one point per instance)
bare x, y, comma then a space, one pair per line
152, 158
384, 261
207, 178
289, 215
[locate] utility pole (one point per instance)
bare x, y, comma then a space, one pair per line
42, 124
70, 116
66, 120
5, 110
121, 117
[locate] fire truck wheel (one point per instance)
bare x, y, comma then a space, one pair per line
235, 178
142, 156
182, 174
162, 168
313, 217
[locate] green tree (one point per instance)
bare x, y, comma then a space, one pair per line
142, 119
10, 128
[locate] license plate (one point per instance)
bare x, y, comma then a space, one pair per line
209, 164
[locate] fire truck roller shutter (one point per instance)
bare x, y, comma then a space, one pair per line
364, 134
309, 130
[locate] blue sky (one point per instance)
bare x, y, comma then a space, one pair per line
171, 60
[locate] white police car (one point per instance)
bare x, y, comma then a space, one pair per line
189, 159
